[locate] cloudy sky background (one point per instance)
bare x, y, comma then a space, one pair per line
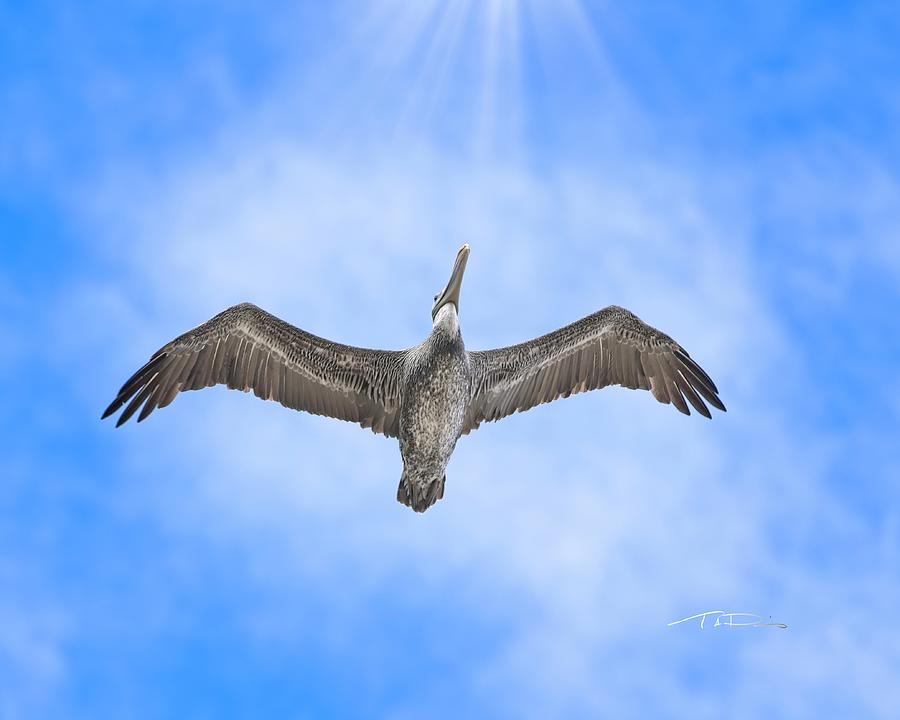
728, 173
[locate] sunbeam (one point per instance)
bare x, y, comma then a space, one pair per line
461, 62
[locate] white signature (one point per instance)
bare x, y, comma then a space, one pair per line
731, 619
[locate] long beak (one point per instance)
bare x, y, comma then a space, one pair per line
451, 292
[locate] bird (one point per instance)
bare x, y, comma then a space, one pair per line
427, 396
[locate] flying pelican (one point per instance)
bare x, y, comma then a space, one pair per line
427, 396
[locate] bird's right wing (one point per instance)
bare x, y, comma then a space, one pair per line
246, 348
610, 347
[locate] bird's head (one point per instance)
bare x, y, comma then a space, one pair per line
450, 294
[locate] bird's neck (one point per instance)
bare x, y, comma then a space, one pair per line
446, 324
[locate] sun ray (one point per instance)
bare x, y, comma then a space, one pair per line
460, 62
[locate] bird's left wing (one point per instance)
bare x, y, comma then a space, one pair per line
610, 347
246, 348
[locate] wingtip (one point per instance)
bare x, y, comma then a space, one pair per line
716, 403
692, 364
110, 409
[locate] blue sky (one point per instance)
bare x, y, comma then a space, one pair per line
729, 173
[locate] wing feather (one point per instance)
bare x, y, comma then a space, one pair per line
610, 347
246, 348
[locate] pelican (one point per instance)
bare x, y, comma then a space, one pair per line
426, 396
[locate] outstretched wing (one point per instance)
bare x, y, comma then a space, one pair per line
246, 348
610, 347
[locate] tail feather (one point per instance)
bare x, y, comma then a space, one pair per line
420, 495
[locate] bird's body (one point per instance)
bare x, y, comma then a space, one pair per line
436, 381
426, 396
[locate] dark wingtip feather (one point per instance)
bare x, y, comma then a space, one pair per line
717, 403
682, 355
138, 399
702, 381
120, 400
698, 404
678, 399
150, 405
683, 383
147, 368
132, 385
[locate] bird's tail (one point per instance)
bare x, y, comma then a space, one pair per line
420, 495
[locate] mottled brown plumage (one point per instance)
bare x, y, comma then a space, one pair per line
427, 396
248, 349
610, 347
